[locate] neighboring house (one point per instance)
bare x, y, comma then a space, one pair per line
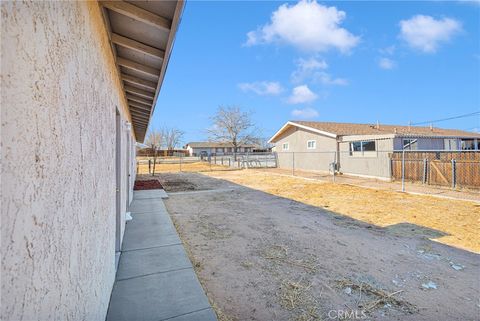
212, 148
360, 149
80, 80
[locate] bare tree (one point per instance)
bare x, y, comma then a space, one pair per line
264, 144
173, 137
155, 140
232, 125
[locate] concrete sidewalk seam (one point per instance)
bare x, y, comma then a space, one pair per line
148, 274
181, 315
152, 247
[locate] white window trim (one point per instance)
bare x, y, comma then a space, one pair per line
285, 144
314, 144
362, 153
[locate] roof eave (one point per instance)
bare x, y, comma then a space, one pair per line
294, 124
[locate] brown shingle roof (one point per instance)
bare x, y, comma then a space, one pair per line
344, 129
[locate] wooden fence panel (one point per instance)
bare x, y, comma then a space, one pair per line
438, 169
467, 173
440, 173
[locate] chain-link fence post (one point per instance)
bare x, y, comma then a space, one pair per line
180, 162
334, 165
293, 163
403, 170
454, 172
424, 177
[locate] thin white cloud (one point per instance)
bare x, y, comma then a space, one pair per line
390, 50
302, 94
326, 79
262, 88
306, 68
306, 25
426, 33
386, 63
472, 2
313, 70
306, 113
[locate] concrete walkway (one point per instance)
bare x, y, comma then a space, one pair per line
155, 279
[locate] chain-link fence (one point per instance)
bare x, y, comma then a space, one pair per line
180, 163
431, 172
408, 170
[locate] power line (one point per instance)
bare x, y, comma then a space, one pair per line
449, 118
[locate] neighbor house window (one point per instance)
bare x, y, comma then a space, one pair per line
285, 146
450, 144
469, 144
311, 144
410, 144
368, 146
362, 148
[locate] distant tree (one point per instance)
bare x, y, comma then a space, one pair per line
263, 143
232, 125
173, 137
155, 140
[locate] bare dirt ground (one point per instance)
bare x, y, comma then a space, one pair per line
266, 254
442, 191
185, 167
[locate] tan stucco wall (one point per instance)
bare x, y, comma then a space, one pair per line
307, 159
59, 94
373, 164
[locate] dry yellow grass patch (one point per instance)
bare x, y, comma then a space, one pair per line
458, 220
186, 167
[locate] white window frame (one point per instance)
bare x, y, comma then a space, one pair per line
411, 142
314, 144
285, 144
361, 152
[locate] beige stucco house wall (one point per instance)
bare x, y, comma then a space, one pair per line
375, 164
317, 159
59, 97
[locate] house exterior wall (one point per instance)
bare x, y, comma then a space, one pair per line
372, 164
300, 156
60, 90
422, 143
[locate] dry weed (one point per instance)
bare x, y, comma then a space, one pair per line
280, 254
371, 298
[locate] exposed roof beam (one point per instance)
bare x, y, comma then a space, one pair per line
140, 116
139, 104
138, 67
139, 107
138, 13
147, 102
137, 46
141, 123
147, 85
140, 120
138, 92
140, 113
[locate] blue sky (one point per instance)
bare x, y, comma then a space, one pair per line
361, 62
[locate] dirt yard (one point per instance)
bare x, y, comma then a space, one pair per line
177, 167
269, 247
